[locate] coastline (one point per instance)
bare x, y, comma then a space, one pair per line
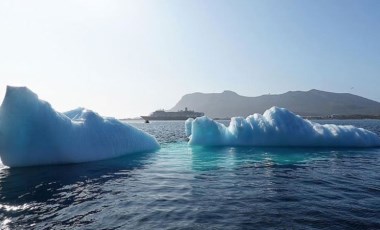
331, 117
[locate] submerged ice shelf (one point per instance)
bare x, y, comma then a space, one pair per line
33, 133
277, 127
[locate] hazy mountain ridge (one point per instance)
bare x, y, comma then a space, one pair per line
306, 103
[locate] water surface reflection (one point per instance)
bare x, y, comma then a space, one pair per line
43, 191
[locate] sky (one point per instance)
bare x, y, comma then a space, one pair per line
129, 58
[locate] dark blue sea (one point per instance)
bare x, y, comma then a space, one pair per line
183, 187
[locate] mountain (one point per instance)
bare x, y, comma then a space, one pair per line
305, 103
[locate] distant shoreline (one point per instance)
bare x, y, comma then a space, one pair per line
330, 117
343, 117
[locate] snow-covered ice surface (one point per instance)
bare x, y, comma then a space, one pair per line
33, 133
277, 127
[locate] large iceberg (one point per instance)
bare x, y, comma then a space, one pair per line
277, 127
33, 133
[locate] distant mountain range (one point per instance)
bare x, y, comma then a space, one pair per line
305, 103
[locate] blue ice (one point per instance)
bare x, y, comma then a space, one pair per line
277, 127
33, 133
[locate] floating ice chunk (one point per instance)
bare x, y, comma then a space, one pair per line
277, 127
188, 124
32, 133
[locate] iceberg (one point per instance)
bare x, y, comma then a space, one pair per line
188, 124
277, 127
33, 133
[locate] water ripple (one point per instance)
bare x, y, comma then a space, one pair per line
182, 187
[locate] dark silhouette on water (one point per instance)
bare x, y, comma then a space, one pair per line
162, 115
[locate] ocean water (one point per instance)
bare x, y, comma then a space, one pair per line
183, 187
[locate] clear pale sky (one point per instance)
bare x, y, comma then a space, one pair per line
129, 58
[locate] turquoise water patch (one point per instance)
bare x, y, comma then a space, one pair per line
208, 158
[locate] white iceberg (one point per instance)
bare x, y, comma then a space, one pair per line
33, 133
277, 127
188, 124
